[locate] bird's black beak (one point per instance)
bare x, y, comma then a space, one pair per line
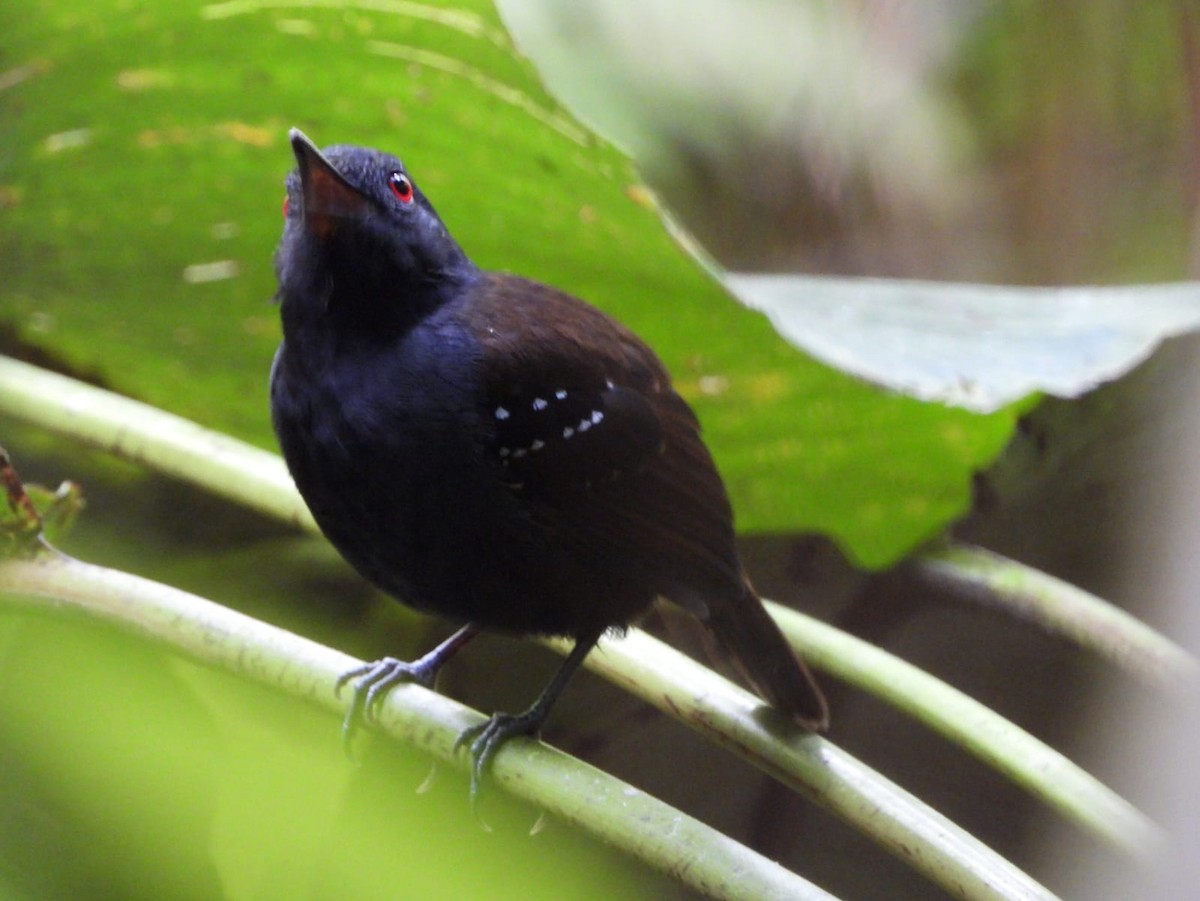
328, 197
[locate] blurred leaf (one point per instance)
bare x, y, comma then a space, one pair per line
977, 346
60, 508
140, 176
30, 512
130, 773
784, 133
20, 522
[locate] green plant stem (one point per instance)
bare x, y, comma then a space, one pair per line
958, 862
1060, 608
1041, 770
617, 813
113, 422
208, 633
259, 480
151, 437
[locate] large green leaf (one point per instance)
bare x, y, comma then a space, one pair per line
140, 177
976, 346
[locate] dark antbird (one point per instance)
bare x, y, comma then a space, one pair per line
490, 449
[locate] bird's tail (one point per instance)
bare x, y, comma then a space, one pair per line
768, 662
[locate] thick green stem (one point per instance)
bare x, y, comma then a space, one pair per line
208, 633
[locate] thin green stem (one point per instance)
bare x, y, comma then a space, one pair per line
154, 438
813, 766
1061, 608
1032, 764
615, 812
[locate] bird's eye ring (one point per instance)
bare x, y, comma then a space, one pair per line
402, 188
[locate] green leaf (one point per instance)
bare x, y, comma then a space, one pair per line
977, 346
140, 177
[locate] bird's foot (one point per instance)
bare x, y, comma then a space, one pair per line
371, 682
485, 739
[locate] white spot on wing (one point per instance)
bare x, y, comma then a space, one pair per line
568, 432
596, 417
561, 394
502, 413
540, 403
537, 445
199, 273
584, 425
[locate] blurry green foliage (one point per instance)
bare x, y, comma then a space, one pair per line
132, 774
140, 177
142, 152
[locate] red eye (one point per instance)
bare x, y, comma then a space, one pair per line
287, 205
401, 187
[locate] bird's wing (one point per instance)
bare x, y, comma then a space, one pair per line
606, 456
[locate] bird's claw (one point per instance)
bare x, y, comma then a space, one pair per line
484, 739
371, 682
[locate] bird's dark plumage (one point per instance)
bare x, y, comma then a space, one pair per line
490, 449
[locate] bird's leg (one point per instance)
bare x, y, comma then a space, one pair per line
373, 680
487, 738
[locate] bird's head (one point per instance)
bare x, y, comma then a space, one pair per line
360, 236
